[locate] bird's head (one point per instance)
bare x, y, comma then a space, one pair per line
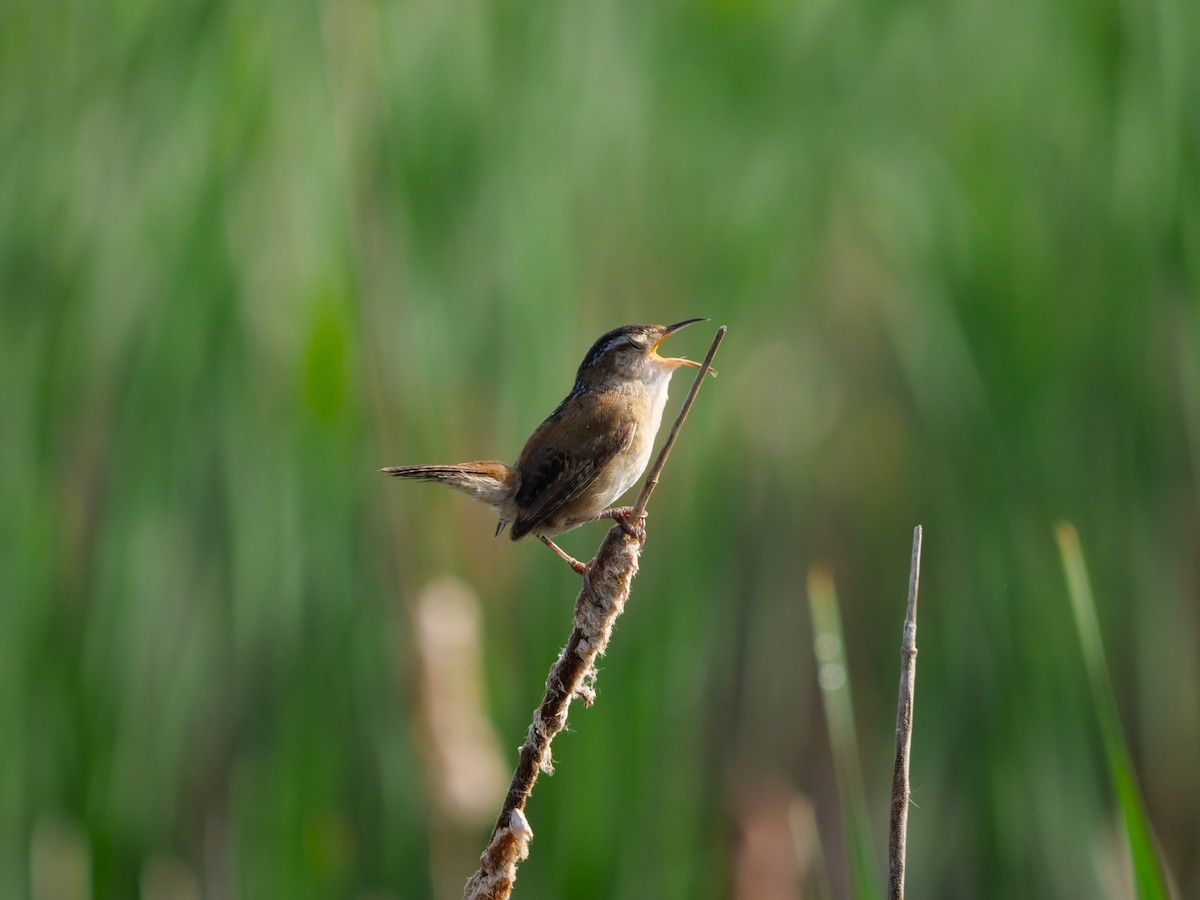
630, 354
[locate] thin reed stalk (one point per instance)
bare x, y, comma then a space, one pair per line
898, 823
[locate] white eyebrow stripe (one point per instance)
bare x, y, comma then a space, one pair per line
616, 342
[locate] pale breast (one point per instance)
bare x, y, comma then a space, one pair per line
628, 467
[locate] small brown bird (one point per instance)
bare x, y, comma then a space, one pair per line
587, 453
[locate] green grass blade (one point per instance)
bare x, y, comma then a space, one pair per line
1149, 874
833, 675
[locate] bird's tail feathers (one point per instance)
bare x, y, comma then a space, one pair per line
488, 480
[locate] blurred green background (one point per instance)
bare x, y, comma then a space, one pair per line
249, 252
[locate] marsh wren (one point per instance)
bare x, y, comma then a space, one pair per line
587, 453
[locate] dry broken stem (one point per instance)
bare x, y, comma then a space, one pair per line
601, 600
898, 830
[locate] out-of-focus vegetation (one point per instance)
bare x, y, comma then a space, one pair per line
251, 252
1144, 855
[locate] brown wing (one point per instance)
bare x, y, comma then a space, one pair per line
553, 474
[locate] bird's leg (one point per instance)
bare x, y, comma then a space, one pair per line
580, 568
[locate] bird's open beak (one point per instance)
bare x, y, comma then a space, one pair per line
675, 361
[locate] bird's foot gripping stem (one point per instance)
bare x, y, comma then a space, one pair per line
623, 516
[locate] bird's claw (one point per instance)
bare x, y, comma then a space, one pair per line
637, 532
